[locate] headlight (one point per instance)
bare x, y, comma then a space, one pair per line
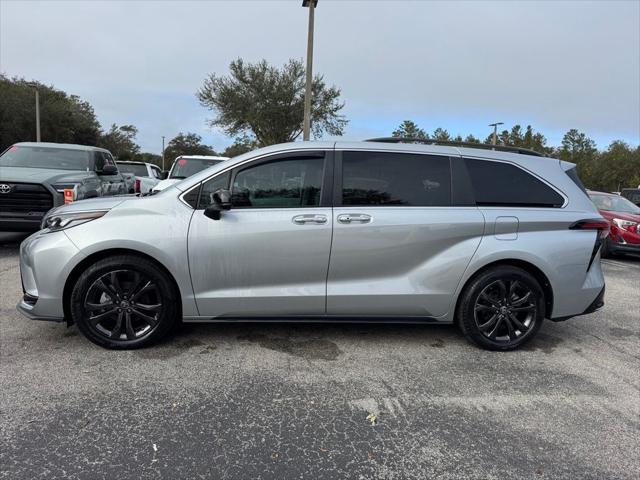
61, 187
60, 221
627, 225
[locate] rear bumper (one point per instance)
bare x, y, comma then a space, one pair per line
597, 304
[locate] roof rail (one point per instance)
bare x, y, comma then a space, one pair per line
432, 141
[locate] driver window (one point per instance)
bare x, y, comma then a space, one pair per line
290, 183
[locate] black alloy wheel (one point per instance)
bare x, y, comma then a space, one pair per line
124, 302
501, 308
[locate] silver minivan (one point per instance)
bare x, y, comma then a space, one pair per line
494, 241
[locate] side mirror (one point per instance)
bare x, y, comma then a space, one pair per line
108, 170
164, 174
220, 200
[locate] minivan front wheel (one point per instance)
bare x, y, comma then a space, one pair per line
123, 302
502, 308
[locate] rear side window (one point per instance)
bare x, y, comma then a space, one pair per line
392, 179
505, 185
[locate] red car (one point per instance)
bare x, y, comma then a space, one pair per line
624, 218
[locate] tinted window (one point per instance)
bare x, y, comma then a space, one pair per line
502, 184
373, 178
45, 157
614, 203
185, 167
136, 169
283, 183
210, 187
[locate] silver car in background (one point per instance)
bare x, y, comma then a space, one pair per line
493, 241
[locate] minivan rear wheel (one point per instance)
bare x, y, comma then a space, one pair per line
124, 302
502, 308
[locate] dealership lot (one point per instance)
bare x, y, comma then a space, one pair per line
291, 401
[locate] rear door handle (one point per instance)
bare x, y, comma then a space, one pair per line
354, 218
309, 219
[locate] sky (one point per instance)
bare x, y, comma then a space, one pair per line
459, 65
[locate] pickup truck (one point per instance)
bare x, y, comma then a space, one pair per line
145, 175
186, 165
35, 177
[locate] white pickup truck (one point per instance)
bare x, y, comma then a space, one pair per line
146, 175
186, 165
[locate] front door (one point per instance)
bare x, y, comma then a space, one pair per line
269, 254
399, 246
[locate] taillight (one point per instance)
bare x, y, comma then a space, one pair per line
137, 187
627, 225
601, 225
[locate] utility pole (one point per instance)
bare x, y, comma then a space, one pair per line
306, 125
495, 131
163, 153
37, 116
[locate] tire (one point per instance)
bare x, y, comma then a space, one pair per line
605, 251
124, 302
501, 308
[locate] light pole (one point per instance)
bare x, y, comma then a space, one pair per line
37, 116
163, 153
306, 125
495, 131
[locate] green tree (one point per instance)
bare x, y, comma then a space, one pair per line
63, 118
441, 134
616, 168
409, 129
120, 141
186, 144
577, 148
267, 102
241, 145
516, 137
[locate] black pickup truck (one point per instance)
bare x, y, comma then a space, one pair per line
35, 177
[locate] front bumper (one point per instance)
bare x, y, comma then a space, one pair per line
46, 260
624, 247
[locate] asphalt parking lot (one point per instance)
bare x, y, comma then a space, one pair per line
291, 401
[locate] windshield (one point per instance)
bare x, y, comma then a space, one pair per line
45, 157
136, 169
185, 167
613, 203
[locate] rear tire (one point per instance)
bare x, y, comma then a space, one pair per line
124, 302
502, 308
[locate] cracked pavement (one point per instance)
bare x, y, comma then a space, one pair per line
273, 401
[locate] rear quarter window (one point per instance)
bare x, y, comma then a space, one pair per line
506, 185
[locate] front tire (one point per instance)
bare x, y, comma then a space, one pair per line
124, 302
501, 308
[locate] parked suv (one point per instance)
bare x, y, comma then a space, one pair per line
492, 241
35, 177
624, 220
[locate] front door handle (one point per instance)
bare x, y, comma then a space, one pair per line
309, 219
354, 218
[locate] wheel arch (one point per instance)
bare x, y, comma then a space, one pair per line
100, 255
528, 267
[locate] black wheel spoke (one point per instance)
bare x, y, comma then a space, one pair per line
115, 284
494, 330
100, 285
148, 308
92, 307
489, 323
520, 301
102, 316
502, 287
117, 328
131, 334
488, 299
525, 308
512, 333
147, 286
519, 325
150, 320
